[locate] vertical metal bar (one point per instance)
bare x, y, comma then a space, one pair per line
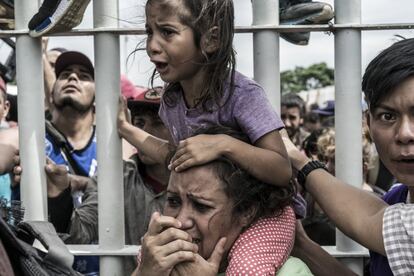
110, 180
266, 49
348, 109
31, 115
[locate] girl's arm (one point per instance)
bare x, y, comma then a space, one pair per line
267, 159
155, 148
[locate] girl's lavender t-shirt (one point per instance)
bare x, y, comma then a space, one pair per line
247, 110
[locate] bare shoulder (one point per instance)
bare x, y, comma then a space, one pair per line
10, 136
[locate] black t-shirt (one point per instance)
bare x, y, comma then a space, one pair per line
60, 210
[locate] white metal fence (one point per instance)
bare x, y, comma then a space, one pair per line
347, 30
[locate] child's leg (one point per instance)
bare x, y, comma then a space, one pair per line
263, 247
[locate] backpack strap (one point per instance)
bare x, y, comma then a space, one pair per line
46, 234
65, 149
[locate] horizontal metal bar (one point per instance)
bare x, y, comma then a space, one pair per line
334, 252
324, 28
95, 250
239, 29
131, 250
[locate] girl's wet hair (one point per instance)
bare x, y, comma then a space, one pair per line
202, 16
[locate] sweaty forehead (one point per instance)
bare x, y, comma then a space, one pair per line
197, 180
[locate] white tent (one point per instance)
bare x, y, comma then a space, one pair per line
319, 96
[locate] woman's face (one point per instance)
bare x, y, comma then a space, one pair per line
195, 197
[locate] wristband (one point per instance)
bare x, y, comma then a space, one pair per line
310, 166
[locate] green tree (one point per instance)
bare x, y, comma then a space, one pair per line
315, 76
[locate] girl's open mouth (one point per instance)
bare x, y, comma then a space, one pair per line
160, 65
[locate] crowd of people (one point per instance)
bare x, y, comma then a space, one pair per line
215, 181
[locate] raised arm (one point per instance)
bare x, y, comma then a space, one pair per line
151, 146
6, 158
267, 159
49, 80
10, 137
9, 145
48, 73
355, 212
83, 219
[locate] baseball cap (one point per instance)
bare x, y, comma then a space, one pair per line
129, 90
72, 57
327, 110
150, 96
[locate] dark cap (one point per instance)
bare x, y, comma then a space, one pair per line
327, 110
70, 58
129, 90
146, 97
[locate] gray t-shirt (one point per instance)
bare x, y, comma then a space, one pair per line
140, 202
247, 110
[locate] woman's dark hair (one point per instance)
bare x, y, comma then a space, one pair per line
248, 192
202, 16
387, 71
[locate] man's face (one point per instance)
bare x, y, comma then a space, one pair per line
4, 106
392, 129
151, 123
74, 88
292, 119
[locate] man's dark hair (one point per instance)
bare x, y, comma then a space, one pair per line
387, 71
145, 109
291, 100
311, 117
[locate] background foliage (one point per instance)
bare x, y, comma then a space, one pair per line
315, 76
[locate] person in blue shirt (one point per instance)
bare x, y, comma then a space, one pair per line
71, 142
5, 192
